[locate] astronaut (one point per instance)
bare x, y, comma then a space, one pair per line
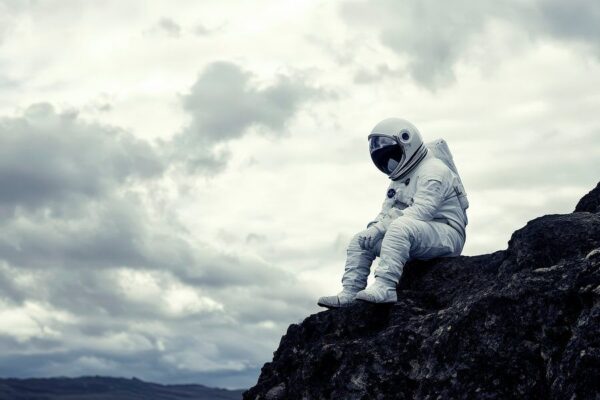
423, 216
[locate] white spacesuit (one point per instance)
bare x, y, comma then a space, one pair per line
422, 217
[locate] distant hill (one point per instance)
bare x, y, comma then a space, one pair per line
103, 388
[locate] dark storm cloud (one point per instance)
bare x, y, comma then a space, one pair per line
433, 36
107, 232
66, 193
99, 280
118, 232
148, 365
117, 335
57, 161
225, 101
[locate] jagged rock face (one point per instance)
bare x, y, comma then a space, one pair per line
519, 323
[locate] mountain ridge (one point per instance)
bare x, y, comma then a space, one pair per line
516, 323
106, 388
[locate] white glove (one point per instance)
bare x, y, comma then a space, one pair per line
369, 237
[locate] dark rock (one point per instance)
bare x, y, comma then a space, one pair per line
522, 323
276, 392
590, 202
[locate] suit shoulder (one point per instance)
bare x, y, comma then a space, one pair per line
433, 167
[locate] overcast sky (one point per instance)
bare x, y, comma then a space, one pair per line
179, 180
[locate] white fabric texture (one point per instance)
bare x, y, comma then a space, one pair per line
426, 194
422, 219
379, 292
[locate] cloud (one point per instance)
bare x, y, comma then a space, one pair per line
56, 161
203, 31
571, 21
171, 28
255, 238
144, 323
168, 26
115, 259
366, 77
6, 22
432, 37
226, 101
98, 276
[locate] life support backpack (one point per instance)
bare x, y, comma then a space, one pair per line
439, 148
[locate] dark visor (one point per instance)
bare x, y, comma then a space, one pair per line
386, 153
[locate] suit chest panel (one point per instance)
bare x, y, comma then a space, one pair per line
400, 193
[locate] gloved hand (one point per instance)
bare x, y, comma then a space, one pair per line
368, 237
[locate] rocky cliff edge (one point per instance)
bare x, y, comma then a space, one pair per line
519, 323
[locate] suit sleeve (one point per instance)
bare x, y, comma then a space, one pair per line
380, 217
386, 216
381, 220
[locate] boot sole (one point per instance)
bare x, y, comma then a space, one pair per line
331, 307
374, 302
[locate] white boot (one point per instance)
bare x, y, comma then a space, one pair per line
381, 291
342, 299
